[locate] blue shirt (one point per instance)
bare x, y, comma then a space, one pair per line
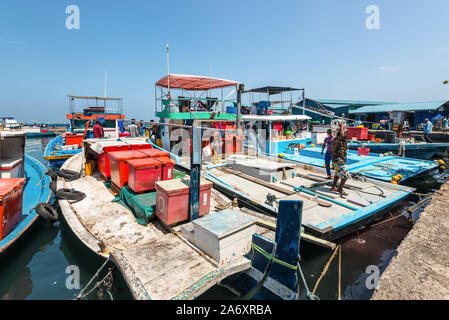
428, 127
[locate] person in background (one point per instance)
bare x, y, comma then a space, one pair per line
339, 156
427, 130
141, 128
133, 130
328, 156
98, 130
445, 125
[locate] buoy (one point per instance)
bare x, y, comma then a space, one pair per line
394, 182
441, 162
312, 145
442, 168
281, 155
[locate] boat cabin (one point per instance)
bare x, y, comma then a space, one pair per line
187, 100
12, 153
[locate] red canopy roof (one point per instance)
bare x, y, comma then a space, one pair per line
186, 82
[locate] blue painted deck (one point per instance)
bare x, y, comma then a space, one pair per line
373, 166
423, 151
33, 194
57, 157
41, 134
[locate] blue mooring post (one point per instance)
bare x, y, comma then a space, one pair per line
195, 174
288, 235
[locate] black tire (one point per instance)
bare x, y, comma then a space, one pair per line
70, 194
53, 186
47, 212
69, 175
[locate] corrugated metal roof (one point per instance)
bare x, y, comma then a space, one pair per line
352, 102
413, 106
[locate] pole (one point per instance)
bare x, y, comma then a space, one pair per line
195, 174
168, 73
240, 89
303, 101
105, 83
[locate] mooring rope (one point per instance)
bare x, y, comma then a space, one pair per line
323, 273
309, 294
81, 294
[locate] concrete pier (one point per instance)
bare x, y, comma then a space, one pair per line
420, 269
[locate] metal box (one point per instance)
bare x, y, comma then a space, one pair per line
224, 235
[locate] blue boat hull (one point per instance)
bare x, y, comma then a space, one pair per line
423, 151
41, 134
35, 192
56, 158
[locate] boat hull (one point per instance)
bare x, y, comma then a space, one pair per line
56, 158
424, 151
35, 191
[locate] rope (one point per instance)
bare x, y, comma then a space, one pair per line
270, 256
323, 273
81, 294
339, 274
309, 294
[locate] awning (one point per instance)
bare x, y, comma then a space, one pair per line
272, 90
254, 117
187, 82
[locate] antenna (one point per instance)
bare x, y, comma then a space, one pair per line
105, 83
168, 71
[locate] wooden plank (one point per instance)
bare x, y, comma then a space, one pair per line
277, 188
267, 222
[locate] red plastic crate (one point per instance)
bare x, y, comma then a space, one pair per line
139, 146
143, 174
155, 153
363, 151
359, 133
172, 200
74, 139
119, 167
167, 167
103, 159
11, 202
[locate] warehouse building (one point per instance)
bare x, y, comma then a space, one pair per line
414, 113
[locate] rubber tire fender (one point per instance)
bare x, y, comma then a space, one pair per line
69, 175
70, 194
47, 212
52, 174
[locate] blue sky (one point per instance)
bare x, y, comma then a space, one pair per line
322, 45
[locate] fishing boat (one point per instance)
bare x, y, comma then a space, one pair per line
212, 242
82, 117
420, 150
16, 164
35, 130
289, 136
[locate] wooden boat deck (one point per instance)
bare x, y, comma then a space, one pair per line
155, 262
328, 222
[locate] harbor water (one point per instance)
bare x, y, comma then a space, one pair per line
40, 264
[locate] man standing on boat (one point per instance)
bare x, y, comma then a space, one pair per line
339, 156
427, 130
98, 130
328, 156
133, 130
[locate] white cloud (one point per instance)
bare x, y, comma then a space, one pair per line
388, 68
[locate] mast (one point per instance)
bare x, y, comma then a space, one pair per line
168, 72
